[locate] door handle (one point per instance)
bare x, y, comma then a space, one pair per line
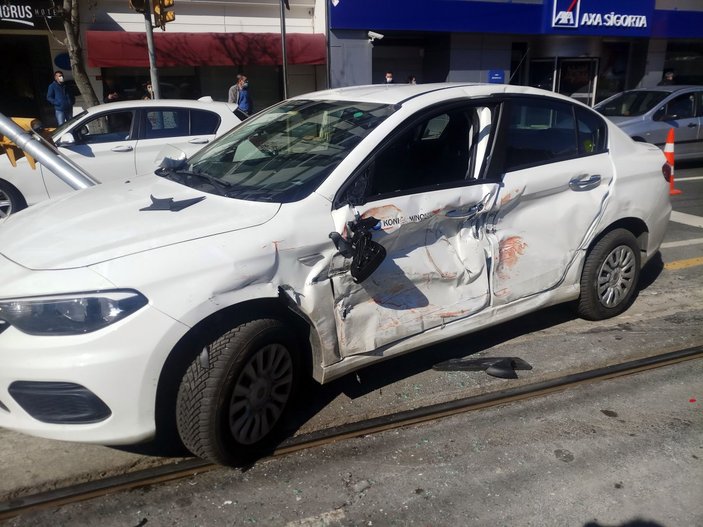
584, 182
466, 213
692, 125
122, 148
199, 141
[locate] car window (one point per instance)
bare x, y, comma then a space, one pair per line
203, 122
681, 107
169, 122
285, 152
442, 149
699, 104
631, 103
106, 128
591, 132
539, 132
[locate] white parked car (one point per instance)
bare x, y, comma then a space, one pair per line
116, 141
328, 232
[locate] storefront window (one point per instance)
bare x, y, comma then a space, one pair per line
685, 58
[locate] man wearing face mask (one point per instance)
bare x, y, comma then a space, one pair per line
389, 77
60, 98
239, 95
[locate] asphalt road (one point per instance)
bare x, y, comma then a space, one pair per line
623, 452
495, 467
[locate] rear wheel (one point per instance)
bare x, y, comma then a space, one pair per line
11, 200
610, 276
234, 394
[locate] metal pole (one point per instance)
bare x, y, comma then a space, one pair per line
152, 49
327, 46
69, 174
284, 55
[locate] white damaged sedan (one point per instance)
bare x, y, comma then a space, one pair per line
328, 232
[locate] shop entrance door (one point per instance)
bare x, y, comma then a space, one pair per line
575, 77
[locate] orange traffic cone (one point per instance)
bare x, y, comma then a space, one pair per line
669, 153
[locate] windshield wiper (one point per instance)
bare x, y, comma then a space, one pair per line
182, 176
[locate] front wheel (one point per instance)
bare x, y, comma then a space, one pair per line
11, 201
233, 395
610, 276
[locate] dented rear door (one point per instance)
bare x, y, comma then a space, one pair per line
556, 184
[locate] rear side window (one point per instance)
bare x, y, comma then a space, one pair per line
168, 122
203, 122
539, 132
591, 132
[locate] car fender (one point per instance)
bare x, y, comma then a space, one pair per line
641, 191
27, 180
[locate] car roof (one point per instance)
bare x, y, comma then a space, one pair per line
179, 103
669, 88
398, 93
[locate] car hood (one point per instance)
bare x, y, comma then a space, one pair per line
626, 120
109, 221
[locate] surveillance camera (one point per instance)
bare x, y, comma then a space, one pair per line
373, 36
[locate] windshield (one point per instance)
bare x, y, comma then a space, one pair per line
283, 153
631, 103
61, 129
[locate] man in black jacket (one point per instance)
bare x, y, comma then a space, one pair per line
60, 98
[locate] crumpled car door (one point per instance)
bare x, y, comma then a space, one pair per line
435, 269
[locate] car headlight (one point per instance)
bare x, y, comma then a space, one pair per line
70, 314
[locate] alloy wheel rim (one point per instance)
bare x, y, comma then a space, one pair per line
5, 205
616, 276
261, 394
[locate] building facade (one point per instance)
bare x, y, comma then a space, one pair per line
587, 49
198, 54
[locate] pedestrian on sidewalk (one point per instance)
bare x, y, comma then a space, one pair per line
239, 95
60, 98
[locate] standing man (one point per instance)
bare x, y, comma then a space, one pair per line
668, 78
389, 77
60, 98
239, 95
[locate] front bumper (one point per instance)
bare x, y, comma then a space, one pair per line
119, 365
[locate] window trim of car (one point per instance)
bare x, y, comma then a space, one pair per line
414, 119
498, 170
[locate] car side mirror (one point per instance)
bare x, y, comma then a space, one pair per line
171, 157
365, 253
368, 256
66, 140
660, 115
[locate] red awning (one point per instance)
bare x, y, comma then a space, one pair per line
120, 48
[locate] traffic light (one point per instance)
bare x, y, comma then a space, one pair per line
138, 5
13, 151
163, 13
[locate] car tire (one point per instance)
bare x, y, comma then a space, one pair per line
233, 395
11, 201
610, 276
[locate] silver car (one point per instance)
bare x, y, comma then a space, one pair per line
648, 115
